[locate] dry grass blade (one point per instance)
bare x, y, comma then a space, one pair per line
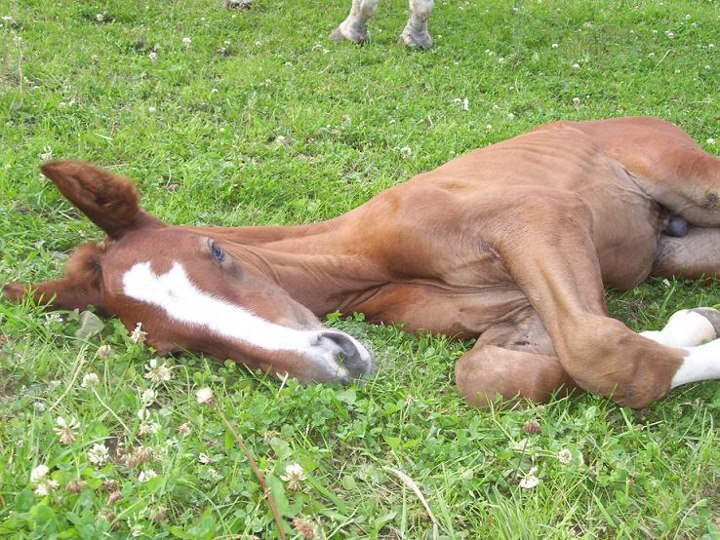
409, 482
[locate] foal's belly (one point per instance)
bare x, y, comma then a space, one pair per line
462, 313
626, 244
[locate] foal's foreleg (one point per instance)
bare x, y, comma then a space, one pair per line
513, 360
354, 27
416, 34
546, 245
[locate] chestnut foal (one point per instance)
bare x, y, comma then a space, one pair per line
511, 243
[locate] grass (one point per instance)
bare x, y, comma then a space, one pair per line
260, 119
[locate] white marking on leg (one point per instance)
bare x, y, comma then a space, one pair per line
181, 300
684, 329
701, 363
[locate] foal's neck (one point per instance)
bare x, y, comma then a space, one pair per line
314, 263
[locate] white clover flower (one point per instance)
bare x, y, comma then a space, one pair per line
152, 55
710, 141
52, 318
187, 41
564, 456
530, 480
204, 395
143, 414
157, 372
104, 351
66, 430
204, 458
43, 485
138, 335
554, 46
406, 151
98, 455
90, 380
294, 476
212, 474
145, 476
184, 429
148, 397
148, 428
99, 17
38, 473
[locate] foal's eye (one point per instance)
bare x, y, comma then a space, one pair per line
218, 253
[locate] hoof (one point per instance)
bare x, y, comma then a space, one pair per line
240, 5
415, 40
712, 315
344, 34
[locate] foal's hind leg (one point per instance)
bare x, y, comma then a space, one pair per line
691, 329
512, 360
693, 255
688, 328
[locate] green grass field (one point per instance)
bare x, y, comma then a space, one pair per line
257, 118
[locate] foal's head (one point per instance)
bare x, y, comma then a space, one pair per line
185, 289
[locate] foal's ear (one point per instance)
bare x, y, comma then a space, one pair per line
81, 287
109, 200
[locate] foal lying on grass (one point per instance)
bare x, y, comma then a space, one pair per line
511, 243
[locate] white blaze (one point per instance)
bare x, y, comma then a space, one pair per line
181, 300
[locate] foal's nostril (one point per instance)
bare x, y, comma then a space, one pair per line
357, 359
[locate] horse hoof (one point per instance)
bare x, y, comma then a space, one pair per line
356, 36
416, 40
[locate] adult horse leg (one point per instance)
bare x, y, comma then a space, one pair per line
241, 5
416, 34
354, 27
